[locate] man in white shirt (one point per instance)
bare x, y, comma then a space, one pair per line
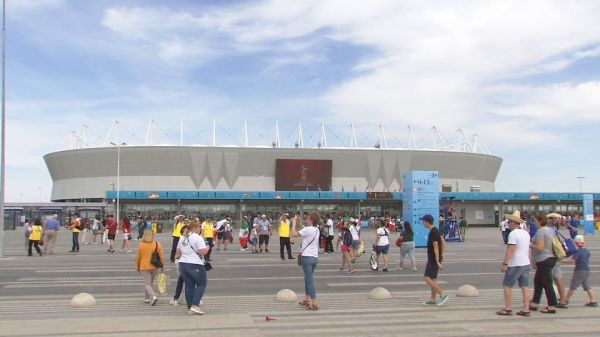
516, 265
329, 238
222, 230
505, 230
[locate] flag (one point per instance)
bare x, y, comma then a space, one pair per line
319, 187
342, 188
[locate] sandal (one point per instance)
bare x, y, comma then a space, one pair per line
533, 308
313, 306
504, 312
304, 303
562, 306
524, 313
548, 311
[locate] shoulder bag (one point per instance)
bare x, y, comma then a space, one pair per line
155, 260
207, 265
299, 258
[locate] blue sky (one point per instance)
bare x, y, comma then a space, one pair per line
525, 76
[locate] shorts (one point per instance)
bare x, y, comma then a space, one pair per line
431, 270
126, 236
95, 231
253, 241
382, 250
580, 277
556, 272
220, 236
518, 273
111, 236
263, 238
355, 244
345, 249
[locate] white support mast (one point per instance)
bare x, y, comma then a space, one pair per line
148, 140
245, 134
214, 135
181, 133
437, 135
382, 139
83, 137
353, 142
464, 141
110, 131
277, 140
412, 139
300, 136
323, 136
475, 142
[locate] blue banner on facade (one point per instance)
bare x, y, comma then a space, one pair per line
588, 214
421, 196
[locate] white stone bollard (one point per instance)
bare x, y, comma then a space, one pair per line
380, 293
286, 295
83, 300
467, 290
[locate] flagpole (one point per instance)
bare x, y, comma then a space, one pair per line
3, 136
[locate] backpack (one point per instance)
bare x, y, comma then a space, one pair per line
347, 238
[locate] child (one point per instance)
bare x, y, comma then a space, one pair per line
244, 235
581, 274
254, 238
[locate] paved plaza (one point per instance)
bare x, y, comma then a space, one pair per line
35, 294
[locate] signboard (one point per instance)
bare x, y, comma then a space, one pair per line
421, 196
588, 214
380, 195
302, 175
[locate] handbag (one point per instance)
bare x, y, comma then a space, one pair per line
399, 242
207, 265
162, 283
155, 260
299, 257
558, 249
568, 244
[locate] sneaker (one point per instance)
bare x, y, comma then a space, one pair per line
266, 250
154, 300
196, 310
146, 301
443, 299
384, 270
414, 269
200, 302
129, 251
218, 248
399, 268
430, 302
242, 250
592, 304
174, 302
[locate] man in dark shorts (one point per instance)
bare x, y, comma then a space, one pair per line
264, 233
435, 250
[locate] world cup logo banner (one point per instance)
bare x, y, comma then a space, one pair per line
302, 175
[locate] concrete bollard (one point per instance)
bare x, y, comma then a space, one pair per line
467, 290
380, 293
83, 300
286, 295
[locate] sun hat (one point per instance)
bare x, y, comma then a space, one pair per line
516, 217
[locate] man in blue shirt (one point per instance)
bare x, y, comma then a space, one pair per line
52, 226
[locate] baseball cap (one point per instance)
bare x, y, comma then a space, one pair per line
579, 239
428, 218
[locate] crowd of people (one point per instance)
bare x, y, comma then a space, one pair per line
529, 244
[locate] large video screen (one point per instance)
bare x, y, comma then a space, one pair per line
302, 175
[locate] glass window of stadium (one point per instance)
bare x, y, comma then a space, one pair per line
216, 211
270, 210
162, 211
334, 210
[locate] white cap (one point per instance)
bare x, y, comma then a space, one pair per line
579, 238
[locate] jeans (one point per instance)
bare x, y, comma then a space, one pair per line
194, 277
210, 244
174, 248
542, 281
285, 243
75, 247
309, 264
178, 288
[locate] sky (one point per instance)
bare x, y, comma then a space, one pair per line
522, 75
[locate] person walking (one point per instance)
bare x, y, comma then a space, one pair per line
408, 246
96, 228
284, 237
581, 274
346, 238
222, 230
85, 228
52, 227
145, 266
176, 235
75, 229
541, 246
126, 228
516, 266
244, 234
179, 286
111, 229
435, 253
353, 227
330, 234
382, 244
208, 233
35, 237
264, 233
310, 257
504, 230
191, 267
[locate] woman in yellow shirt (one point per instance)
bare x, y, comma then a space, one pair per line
35, 237
284, 236
144, 264
208, 233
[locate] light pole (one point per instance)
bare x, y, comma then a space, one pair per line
118, 145
580, 180
3, 136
